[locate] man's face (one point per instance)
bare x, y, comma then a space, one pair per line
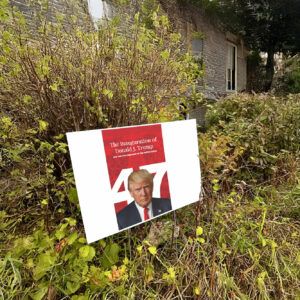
141, 192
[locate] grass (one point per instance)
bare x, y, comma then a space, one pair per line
230, 246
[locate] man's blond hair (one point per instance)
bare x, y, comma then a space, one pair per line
140, 176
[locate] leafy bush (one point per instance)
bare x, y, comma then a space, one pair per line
77, 78
287, 78
250, 174
66, 76
259, 130
292, 76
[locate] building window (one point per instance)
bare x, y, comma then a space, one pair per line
99, 10
231, 74
197, 47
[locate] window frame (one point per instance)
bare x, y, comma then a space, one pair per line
235, 69
106, 9
197, 54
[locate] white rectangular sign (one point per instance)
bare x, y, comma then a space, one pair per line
114, 194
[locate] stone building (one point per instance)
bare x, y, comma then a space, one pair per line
223, 53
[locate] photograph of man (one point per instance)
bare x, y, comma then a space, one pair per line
144, 206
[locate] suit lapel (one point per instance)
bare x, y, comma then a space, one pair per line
134, 214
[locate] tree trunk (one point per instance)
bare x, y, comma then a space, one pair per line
269, 69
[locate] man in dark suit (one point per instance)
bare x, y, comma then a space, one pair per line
144, 207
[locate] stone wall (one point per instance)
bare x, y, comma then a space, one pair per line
30, 10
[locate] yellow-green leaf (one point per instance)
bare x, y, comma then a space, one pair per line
54, 87
172, 272
43, 125
72, 195
26, 99
152, 250
108, 93
84, 251
165, 54
199, 230
45, 202
72, 286
39, 294
126, 261
110, 255
72, 237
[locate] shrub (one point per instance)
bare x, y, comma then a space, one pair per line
260, 130
74, 78
292, 77
67, 76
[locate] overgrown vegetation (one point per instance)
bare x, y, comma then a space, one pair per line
288, 79
69, 77
240, 241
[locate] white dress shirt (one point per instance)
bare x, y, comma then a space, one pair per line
141, 211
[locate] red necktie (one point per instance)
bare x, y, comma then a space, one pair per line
146, 216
